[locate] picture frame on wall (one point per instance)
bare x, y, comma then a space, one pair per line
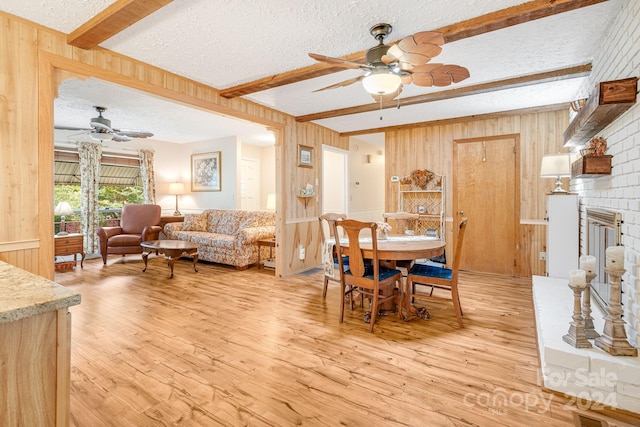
206, 171
305, 156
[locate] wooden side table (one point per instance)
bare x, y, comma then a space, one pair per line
70, 244
270, 243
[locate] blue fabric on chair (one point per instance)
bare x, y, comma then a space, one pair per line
384, 273
431, 271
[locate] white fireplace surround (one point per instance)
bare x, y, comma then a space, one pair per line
591, 375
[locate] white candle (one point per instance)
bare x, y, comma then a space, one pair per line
615, 256
578, 278
588, 264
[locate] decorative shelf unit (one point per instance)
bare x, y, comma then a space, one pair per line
606, 102
428, 201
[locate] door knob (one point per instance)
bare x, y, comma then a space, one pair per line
461, 213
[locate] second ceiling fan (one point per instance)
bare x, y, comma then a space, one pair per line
388, 67
101, 129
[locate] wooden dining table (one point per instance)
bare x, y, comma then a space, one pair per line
398, 247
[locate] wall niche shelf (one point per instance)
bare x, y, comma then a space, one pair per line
305, 199
591, 167
606, 102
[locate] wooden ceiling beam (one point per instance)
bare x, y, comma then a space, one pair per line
504, 18
115, 18
511, 83
465, 119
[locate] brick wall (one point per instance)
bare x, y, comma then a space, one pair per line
618, 57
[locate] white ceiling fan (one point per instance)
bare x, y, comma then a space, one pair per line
101, 129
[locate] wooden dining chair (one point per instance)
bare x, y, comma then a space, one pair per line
367, 277
437, 279
404, 221
329, 258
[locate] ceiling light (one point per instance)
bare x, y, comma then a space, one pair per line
381, 81
100, 136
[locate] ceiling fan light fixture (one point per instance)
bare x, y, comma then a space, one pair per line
381, 81
100, 136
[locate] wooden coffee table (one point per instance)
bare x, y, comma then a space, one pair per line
172, 249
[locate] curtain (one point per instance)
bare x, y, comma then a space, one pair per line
148, 176
90, 153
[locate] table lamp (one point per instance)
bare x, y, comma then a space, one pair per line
63, 209
556, 166
271, 202
176, 188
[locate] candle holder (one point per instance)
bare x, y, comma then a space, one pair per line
614, 338
576, 335
589, 329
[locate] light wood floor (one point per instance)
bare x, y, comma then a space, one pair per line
233, 348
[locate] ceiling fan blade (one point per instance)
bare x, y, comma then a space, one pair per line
341, 84
429, 37
417, 49
120, 138
100, 127
70, 128
438, 75
339, 62
133, 133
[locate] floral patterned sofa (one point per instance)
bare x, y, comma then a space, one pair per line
225, 236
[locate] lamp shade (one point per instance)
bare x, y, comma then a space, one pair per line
271, 202
556, 165
62, 209
176, 188
381, 81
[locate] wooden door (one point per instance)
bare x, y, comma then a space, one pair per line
249, 185
486, 191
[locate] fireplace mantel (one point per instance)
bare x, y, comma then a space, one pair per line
586, 373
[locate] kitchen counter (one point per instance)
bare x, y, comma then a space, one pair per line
35, 348
24, 294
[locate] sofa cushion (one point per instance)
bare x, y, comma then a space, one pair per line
196, 222
229, 222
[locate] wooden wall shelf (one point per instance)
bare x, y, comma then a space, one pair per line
607, 101
591, 167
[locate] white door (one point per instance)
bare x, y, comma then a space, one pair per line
334, 180
249, 185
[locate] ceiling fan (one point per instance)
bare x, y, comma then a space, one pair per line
388, 67
101, 129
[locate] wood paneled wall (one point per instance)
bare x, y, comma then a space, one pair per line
431, 147
33, 62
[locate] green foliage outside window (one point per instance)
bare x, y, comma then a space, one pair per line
110, 198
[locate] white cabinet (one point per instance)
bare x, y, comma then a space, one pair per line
562, 234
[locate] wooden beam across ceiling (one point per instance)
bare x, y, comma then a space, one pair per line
115, 18
511, 83
465, 119
504, 18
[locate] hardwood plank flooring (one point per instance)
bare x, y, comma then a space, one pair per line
223, 347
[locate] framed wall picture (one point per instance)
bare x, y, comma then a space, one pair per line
305, 156
206, 172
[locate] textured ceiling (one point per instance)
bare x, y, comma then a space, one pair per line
223, 44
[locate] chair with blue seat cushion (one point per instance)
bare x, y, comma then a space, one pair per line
368, 277
436, 278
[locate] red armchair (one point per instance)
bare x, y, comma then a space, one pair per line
138, 223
